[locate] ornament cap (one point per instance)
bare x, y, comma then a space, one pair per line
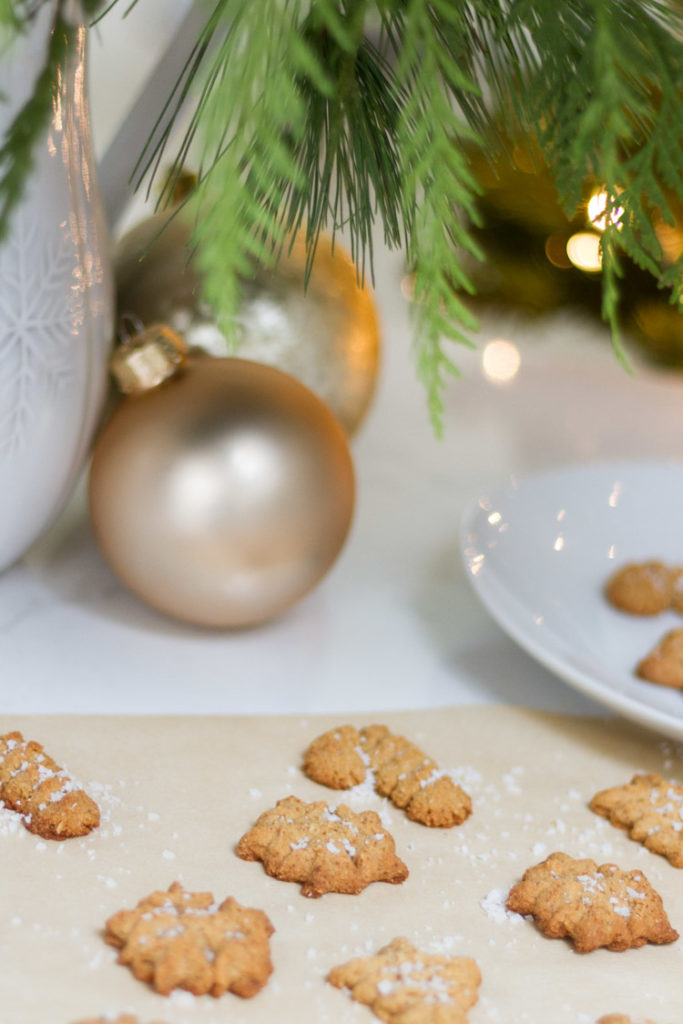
148, 359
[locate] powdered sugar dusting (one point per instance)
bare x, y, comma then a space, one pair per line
364, 796
494, 907
11, 822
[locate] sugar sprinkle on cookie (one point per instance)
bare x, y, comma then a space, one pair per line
650, 809
184, 940
593, 906
403, 985
324, 849
50, 803
344, 757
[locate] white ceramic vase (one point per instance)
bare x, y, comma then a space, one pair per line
56, 297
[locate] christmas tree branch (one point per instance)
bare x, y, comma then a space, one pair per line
607, 79
436, 177
345, 114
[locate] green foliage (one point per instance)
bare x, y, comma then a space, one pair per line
436, 176
7, 18
338, 114
604, 81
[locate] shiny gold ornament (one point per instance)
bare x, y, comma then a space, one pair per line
326, 334
224, 494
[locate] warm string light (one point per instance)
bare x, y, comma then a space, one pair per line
597, 208
583, 249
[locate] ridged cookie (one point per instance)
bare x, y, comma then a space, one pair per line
343, 757
593, 906
650, 808
179, 939
324, 849
33, 784
403, 985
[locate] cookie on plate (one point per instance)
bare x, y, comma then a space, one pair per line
641, 588
403, 985
324, 849
343, 757
180, 939
620, 1018
664, 663
50, 803
593, 906
650, 808
677, 596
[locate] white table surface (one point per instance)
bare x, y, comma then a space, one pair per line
395, 625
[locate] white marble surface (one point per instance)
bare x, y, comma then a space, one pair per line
395, 624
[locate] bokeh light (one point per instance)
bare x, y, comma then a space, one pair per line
500, 361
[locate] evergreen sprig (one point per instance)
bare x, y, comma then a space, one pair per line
436, 177
605, 81
331, 114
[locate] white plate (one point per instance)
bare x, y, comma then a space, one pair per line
538, 553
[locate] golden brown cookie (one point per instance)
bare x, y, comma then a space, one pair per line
650, 808
641, 588
677, 593
403, 985
343, 757
50, 803
180, 939
620, 1018
664, 664
594, 906
325, 850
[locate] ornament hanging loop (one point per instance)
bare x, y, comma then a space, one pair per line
148, 358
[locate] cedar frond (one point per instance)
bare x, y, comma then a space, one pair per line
353, 114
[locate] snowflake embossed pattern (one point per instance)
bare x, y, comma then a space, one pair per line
39, 318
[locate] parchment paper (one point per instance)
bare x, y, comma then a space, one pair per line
177, 794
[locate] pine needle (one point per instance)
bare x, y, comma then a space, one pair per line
331, 115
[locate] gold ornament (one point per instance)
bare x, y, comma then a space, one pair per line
221, 490
325, 334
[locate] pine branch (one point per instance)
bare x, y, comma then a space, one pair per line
8, 17
441, 186
310, 142
302, 122
605, 78
250, 110
328, 135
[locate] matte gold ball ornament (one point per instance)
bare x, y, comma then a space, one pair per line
221, 490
